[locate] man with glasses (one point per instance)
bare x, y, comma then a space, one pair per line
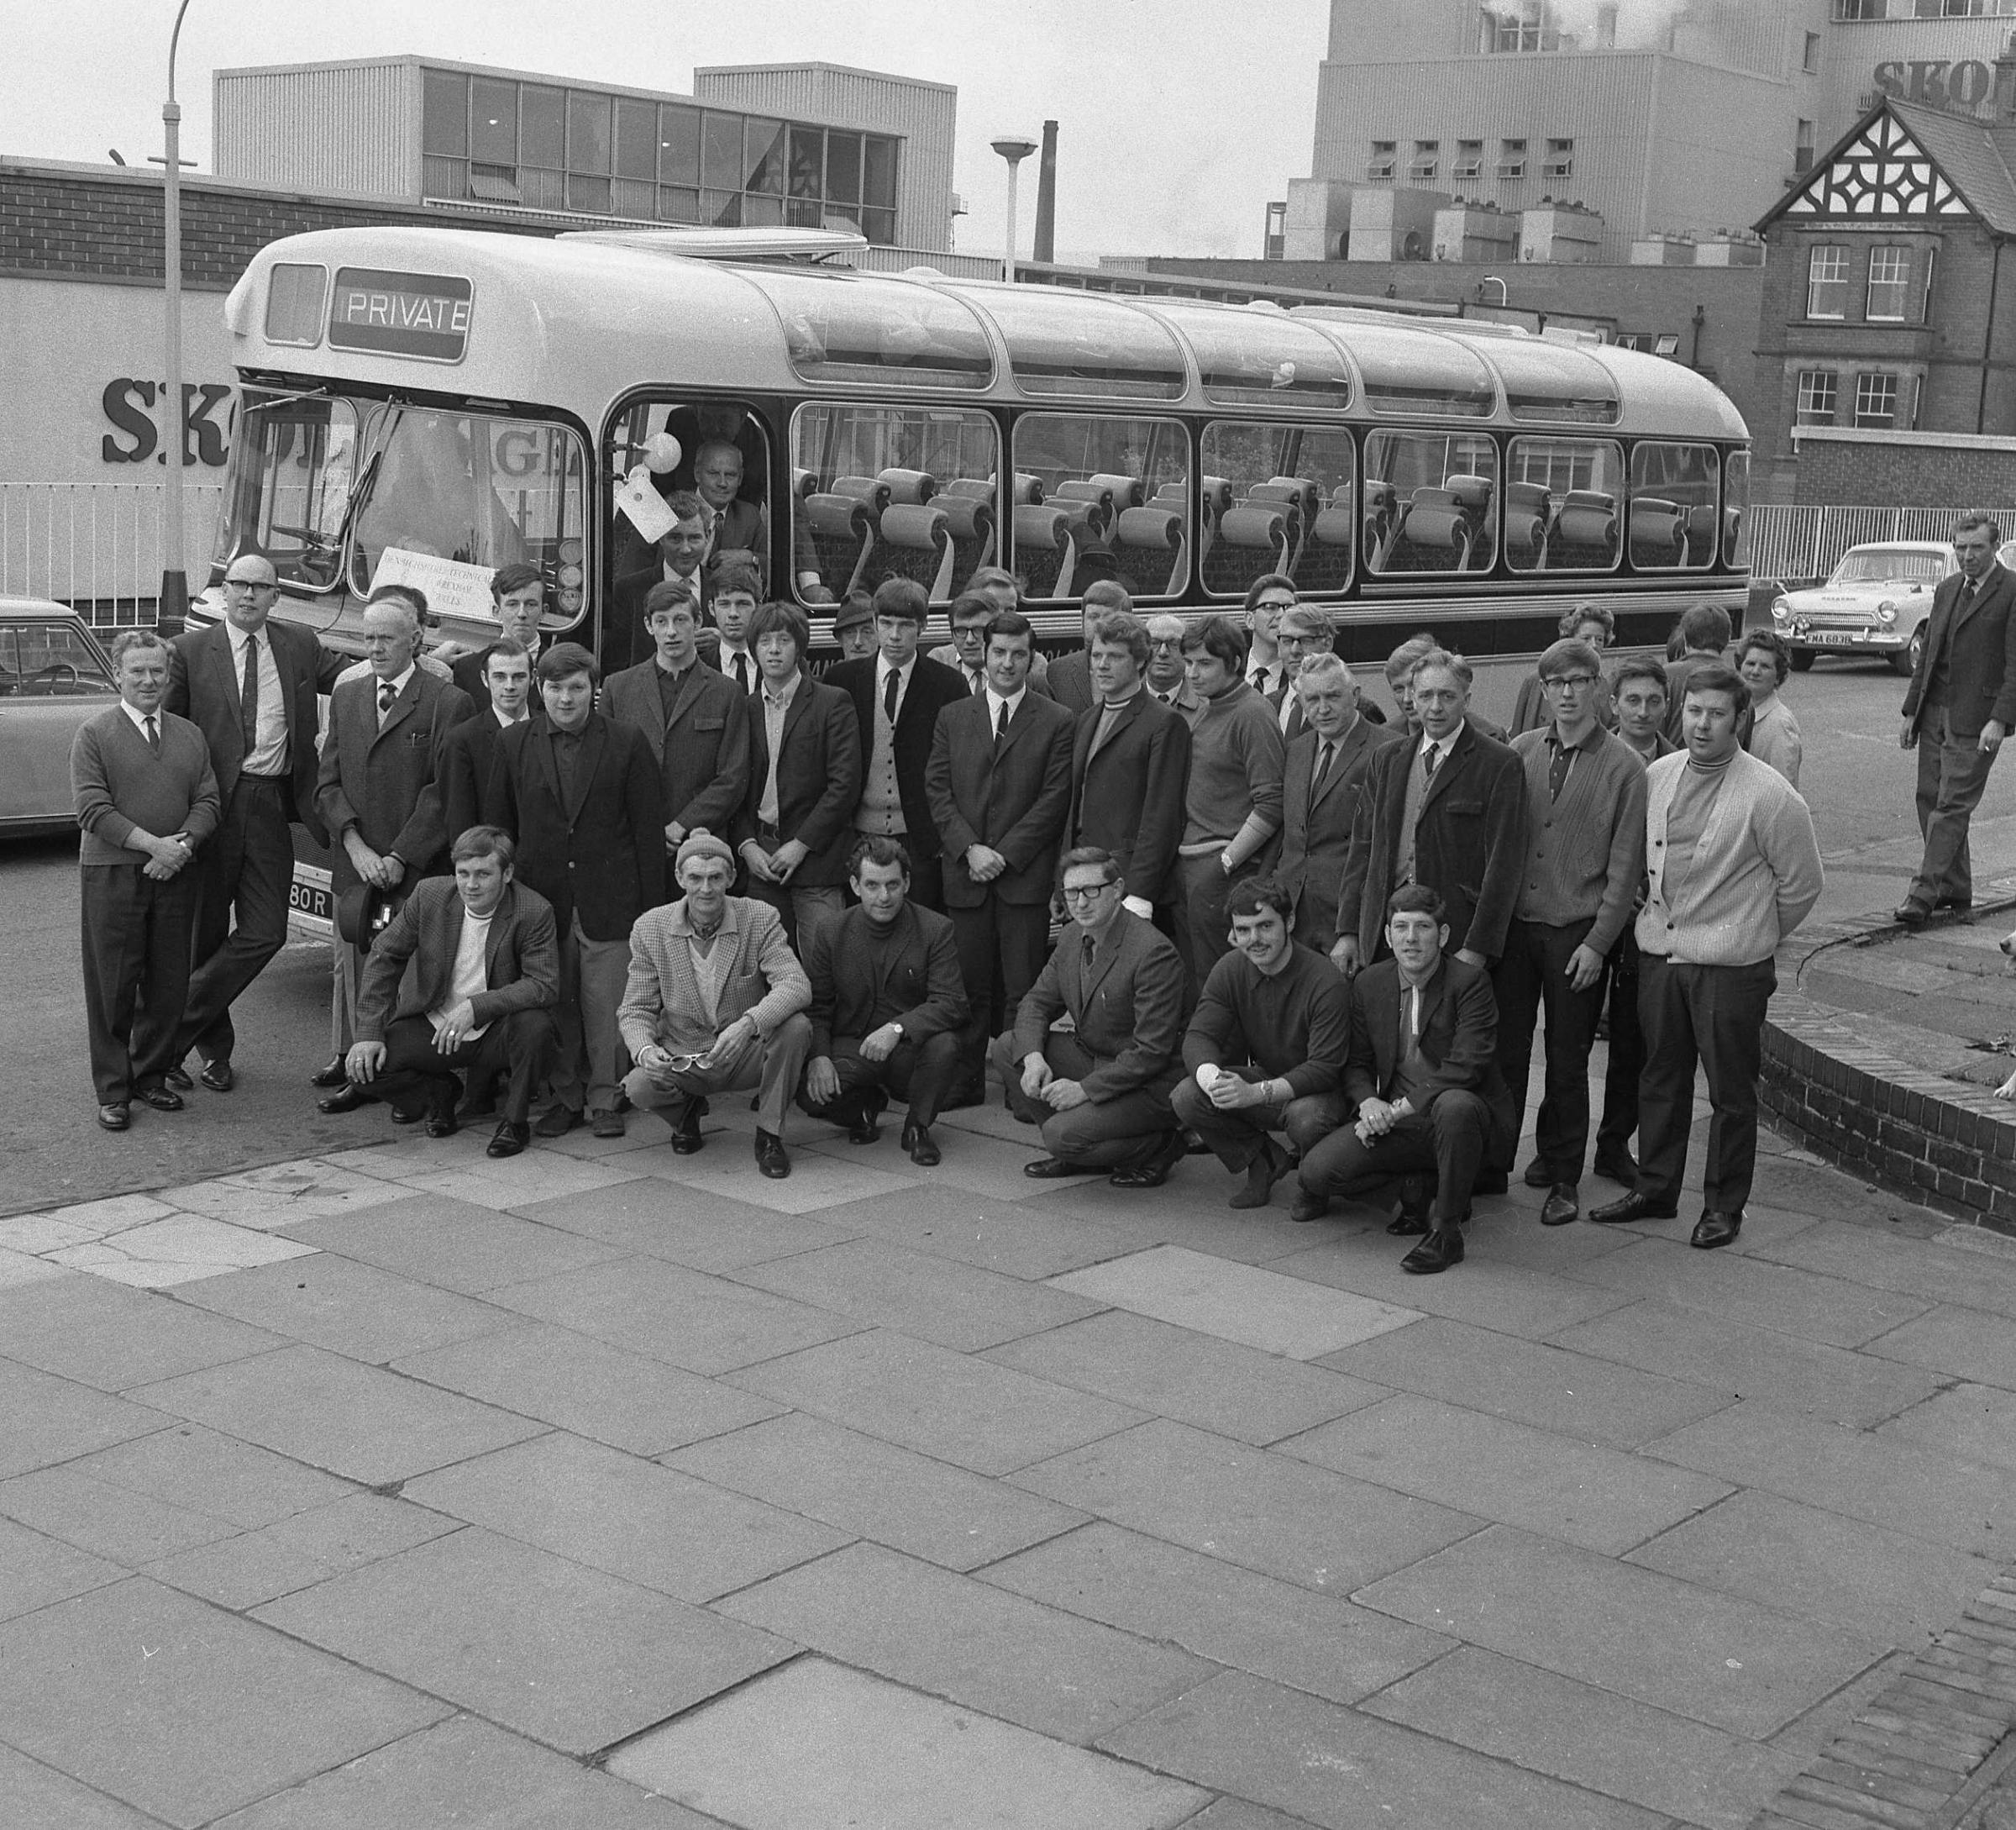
1584, 855
1267, 601
1305, 632
1168, 680
1100, 1090
989, 590
249, 685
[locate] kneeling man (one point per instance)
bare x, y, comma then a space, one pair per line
714, 1003
1423, 1070
1101, 1091
1265, 1051
888, 1004
485, 975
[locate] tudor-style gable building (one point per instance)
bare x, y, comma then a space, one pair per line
1889, 300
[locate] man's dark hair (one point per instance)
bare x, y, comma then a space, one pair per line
769, 619
1717, 679
563, 661
484, 842
1569, 656
1266, 581
1109, 594
1418, 899
735, 570
1639, 667
1218, 634
1976, 517
510, 647
1704, 627
1079, 856
514, 576
968, 606
1572, 620
686, 505
665, 595
904, 598
1256, 895
1011, 623
879, 848
1118, 629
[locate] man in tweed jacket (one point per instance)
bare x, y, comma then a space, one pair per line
714, 1003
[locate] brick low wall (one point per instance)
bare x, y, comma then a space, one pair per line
1931, 1140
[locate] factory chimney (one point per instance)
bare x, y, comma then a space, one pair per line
1046, 198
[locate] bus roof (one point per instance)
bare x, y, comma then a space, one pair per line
576, 322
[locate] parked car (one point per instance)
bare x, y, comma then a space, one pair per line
53, 677
1875, 602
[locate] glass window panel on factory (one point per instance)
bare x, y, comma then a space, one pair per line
445, 115
1564, 505
1675, 518
588, 135
678, 144
881, 492
764, 154
1430, 501
1277, 499
1827, 281
1889, 285
493, 122
1099, 496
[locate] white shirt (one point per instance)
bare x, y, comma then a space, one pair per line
776, 708
140, 718
1441, 746
996, 702
1275, 670
398, 687
750, 669
269, 754
505, 722
472, 976
884, 670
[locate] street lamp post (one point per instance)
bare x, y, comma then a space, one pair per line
1014, 150
174, 606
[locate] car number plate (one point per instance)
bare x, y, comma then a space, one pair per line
1832, 638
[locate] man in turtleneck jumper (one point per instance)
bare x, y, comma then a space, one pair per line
1733, 867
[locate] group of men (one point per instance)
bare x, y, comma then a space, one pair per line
1305, 937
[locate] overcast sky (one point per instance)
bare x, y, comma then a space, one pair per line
1179, 119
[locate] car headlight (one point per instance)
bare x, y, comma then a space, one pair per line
1886, 612
1781, 608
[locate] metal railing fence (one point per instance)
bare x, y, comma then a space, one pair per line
97, 546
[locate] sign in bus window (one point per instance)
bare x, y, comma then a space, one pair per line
1431, 502
880, 492
1099, 497
1564, 505
1277, 499
1675, 516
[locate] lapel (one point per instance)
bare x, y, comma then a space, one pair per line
1989, 585
1106, 958
795, 712
220, 650
403, 707
501, 926
1458, 753
1130, 711
1434, 995
593, 734
539, 742
1348, 747
690, 685
1018, 722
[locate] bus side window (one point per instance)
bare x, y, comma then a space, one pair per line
1432, 502
1099, 498
716, 450
1277, 498
880, 492
1676, 520
1562, 500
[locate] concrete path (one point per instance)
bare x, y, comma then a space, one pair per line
608, 1487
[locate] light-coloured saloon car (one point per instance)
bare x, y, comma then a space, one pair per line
54, 676
1877, 603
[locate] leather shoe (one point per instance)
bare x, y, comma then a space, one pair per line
115, 1117
769, 1155
1716, 1227
1960, 905
1913, 913
1562, 1205
556, 1121
1308, 1207
687, 1137
1269, 1164
218, 1075
1538, 1175
923, 1147
1618, 1165
1055, 1169
408, 1115
1436, 1253
178, 1078
605, 1124
1490, 1182
331, 1074
1153, 1173
1632, 1206
1411, 1216
511, 1137
348, 1099
161, 1098
442, 1122
866, 1126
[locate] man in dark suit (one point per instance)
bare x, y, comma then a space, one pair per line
249, 685
580, 794
1322, 780
677, 561
146, 799
1130, 766
999, 783
887, 1008
1448, 810
733, 525
1422, 1071
1961, 705
1100, 1091
795, 829
897, 698
379, 788
502, 697
463, 979
517, 599
1305, 632
696, 724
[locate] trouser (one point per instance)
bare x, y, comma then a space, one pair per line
248, 866
1002, 947
136, 934
1952, 775
1453, 1138
519, 1046
1715, 1014
804, 909
1236, 1137
1627, 1049
1205, 933
346, 973
1120, 1132
775, 1066
1531, 978
920, 1073
590, 1061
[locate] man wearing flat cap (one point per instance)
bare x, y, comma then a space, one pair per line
714, 1003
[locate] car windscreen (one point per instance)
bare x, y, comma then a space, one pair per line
1877, 565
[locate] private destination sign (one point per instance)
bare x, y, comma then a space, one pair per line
410, 315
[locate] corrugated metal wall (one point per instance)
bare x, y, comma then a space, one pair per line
351, 129
925, 115
1850, 53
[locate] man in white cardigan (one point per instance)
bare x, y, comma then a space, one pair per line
1733, 867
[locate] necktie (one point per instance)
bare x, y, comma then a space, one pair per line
1000, 726
890, 689
742, 672
1168, 697
154, 735
1260, 675
1087, 946
1965, 598
976, 682
1557, 769
1429, 758
386, 693
248, 696
1325, 751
